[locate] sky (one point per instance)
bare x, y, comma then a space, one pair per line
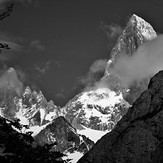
55, 44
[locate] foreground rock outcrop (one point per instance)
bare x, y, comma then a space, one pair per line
138, 136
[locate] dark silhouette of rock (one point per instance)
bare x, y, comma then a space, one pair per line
16, 147
138, 136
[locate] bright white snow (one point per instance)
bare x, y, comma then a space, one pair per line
108, 101
73, 156
34, 129
93, 135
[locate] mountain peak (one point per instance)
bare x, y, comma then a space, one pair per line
142, 26
11, 69
136, 32
136, 17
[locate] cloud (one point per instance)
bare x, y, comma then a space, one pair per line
47, 66
145, 62
36, 44
96, 71
112, 30
128, 69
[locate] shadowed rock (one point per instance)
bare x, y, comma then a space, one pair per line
61, 133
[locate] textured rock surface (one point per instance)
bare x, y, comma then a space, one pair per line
61, 133
30, 107
136, 32
138, 136
98, 110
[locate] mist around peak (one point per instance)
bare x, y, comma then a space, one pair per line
144, 63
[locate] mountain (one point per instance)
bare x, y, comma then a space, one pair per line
138, 136
10, 87
100, 108
91, 114
135, 34
33, 108
38, 118
29, 107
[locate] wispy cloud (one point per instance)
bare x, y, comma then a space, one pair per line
144, 63
112, 30
96, 71
43, 69
36, 44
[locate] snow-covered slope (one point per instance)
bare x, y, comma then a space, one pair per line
33, 108
99, 109
92, 134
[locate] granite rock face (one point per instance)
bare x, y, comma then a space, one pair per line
98, 109
64, 137
138, 136
136, 32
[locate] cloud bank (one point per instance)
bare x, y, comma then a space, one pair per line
145, 62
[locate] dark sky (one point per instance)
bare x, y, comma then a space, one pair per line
56, 41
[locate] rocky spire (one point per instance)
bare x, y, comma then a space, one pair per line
136, 32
